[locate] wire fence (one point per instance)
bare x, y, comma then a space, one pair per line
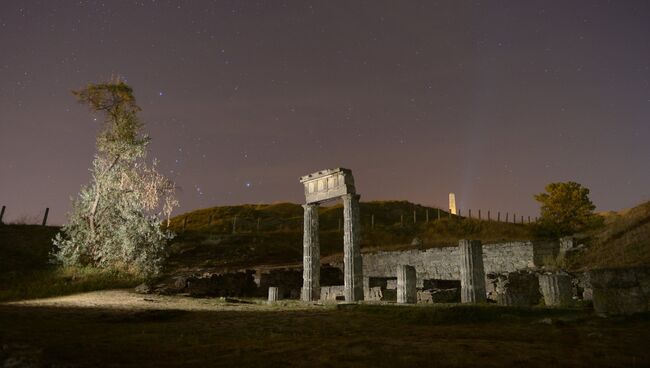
332, 220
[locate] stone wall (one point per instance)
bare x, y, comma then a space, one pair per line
443, 263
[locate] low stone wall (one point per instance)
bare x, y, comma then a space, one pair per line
443, 263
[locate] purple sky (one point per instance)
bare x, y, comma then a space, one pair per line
490, 100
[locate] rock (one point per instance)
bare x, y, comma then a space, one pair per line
143, 289
416, 241
451, 295
557, 289
520, 288
621, 291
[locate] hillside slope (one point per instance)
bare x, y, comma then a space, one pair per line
624, 241
252, 235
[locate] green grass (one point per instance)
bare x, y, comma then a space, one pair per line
26, 271
56, 281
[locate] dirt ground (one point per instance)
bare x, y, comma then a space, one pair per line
121, 328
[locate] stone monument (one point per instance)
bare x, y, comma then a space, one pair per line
320, 187
452, 203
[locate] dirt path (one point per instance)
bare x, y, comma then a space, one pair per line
129, 300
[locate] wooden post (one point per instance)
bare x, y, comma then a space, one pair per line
210, 220
427, 215
184, 222
514, 218
415, 219
479, 214
234, 224
47, 211
2, 213
529, 219
372, 221
488, 215
470, 213
522, 219
458, 213
438, 213
498, 216
401, 220
506, 216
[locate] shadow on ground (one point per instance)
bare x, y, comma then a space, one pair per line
246, 335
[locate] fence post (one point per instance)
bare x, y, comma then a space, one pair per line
401, 220
2, 213
438, 213
210, 220
498, 216
184, 222
506, 216
47, 211
522, 219
234, 224
488, 215
415, 219
514, 218
372, 221
479, 214
427, 215
458, 213
529, 219
470, 213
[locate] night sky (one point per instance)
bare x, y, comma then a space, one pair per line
490, 100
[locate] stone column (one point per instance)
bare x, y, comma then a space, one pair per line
353, 272
472, 274
406, 282
311, 255
556, 289
274, 295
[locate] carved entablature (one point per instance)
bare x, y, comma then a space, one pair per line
328, 184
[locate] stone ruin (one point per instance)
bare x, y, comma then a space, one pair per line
320, 187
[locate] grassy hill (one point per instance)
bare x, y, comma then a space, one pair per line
271, 234
624, 241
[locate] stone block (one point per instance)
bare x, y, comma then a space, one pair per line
472, 273
274, 294
557, 289
406, 285
621, 291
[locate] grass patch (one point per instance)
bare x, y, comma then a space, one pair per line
61, 281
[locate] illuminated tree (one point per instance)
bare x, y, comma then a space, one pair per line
566, 209
116, 222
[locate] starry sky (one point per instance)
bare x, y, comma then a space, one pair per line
490, 100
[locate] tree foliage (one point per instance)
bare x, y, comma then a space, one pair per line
566, 209
116, 222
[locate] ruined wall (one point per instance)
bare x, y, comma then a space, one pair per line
443, 263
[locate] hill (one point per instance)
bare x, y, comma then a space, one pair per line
624, 241
271, 234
